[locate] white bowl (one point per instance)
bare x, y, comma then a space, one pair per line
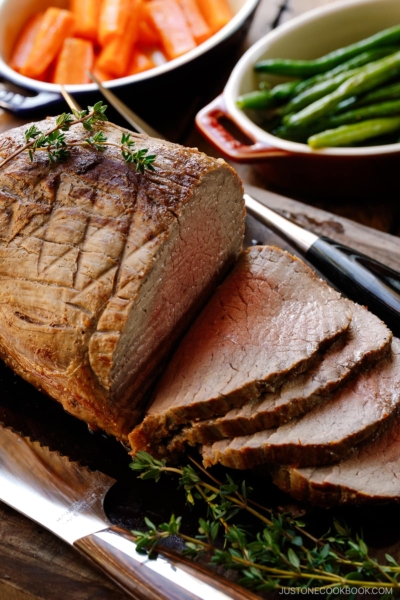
309, 36
14, 13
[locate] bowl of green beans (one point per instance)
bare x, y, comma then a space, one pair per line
322, 90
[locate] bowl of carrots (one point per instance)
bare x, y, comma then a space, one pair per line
312, 99
48, 43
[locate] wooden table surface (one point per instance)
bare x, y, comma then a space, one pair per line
35, 565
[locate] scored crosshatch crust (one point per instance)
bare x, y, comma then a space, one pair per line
80, 242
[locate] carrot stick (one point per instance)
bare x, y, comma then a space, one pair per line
74, 61
57, 24
170, 22
217, 13
147, 34
114, 17
25, 42
140, 62
100, 74
197, 24
87, 16
115, 56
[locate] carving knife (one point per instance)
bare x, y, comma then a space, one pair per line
67, 499
357, 275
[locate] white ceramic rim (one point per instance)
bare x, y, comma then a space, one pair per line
247, 61
234, 24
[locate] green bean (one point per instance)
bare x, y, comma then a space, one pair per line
388, 92
350, 134
283, 91
257, 99
317, 91
260, 99
358, 61
307, 68
383, 109
368, 78
294, 134
300, 133
346, 104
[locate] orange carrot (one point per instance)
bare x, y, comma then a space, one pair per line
75, 59
87, 15
57, 24
114, 17
197, 24
217, 13
115, 56
147, 35
25, 42
100, 74
170, 23
140, 62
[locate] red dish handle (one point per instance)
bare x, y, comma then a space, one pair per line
208, 122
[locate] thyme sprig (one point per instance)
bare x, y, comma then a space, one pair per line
55, 144
282, 555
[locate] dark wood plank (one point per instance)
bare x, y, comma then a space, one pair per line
379, 245
37, 565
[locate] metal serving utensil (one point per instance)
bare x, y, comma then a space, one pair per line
67, 499
357, 275
130, 117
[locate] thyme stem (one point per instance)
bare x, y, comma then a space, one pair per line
57, 147
31, 144
274, 558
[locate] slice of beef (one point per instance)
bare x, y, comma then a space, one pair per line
267, 320
366, 341
328, 432
369, 475
102, 268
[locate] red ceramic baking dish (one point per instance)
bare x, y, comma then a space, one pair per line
293, 166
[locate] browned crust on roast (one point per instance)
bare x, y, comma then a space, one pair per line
78, 242
232, 353
328, 433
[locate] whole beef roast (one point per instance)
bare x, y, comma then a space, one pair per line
102, 268
267, 320
328, 432
366, 341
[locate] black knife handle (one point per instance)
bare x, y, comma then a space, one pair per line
361, 278
114, 552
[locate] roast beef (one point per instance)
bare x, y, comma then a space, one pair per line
369, 475
329, 431
267, 320
367, 340
102, 268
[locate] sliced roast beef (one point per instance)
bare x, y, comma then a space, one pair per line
367, 340
267, 320
102, 268
371, 474
328, 432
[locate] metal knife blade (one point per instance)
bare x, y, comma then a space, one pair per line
67, 499
46, 487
